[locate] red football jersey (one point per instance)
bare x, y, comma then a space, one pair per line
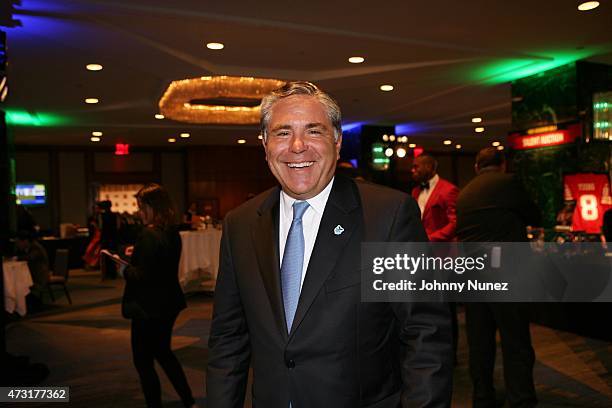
592, 195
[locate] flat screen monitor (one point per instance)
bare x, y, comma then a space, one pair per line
31, 194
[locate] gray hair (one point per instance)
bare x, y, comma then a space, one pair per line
300, 88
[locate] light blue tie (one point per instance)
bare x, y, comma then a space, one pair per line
293, 261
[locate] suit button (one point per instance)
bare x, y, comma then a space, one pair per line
290, 364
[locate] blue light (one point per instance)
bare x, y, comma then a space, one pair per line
347, 127
408, 128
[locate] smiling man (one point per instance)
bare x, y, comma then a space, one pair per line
287, 300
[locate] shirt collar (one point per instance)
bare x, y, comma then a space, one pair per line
317, 202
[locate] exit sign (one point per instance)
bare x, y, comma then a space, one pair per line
122, 149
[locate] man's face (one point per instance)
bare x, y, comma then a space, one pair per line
22, 245
300, 148
421, 170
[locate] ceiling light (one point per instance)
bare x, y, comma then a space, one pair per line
385, 138
386, 88
215, 46
500, 147
400, 152
241, 141
96, 133
412, 145
185, 135
588, 5
392, 138
448, 142
94, 139
171, 140
356, 60
94, 67
389, 152
260, 137
479, 130
91, 100
159, 116
495, 144
476, 120
458, 146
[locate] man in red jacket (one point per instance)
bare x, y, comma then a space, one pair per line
437, 199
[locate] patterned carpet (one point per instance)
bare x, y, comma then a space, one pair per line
87, 347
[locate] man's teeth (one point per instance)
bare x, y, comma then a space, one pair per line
300, 165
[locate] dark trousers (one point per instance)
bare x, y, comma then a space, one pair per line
151, 341
482, 320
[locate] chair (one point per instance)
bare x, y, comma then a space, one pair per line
59, 276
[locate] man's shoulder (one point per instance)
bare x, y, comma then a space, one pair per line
252, 206
375, 192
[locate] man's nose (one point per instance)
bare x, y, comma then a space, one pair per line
298, 144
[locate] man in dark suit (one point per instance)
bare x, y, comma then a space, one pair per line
494, 207
287, 299
437, 199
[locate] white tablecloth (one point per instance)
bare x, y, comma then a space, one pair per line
199, 257
17, 283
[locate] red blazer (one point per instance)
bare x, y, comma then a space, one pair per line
439, 215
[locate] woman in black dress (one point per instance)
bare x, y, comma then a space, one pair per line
153, 296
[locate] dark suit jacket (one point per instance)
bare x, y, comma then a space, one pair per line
152, 289
439, 218
340, 353
494, 207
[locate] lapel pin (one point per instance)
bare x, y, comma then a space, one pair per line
338, 230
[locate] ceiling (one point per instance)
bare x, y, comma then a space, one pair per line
447, 60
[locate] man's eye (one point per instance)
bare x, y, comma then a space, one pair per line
281, 134
315, 132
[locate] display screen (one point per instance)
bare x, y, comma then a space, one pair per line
31, 194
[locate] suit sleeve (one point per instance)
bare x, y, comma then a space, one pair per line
447, 233
229, 346
424, 330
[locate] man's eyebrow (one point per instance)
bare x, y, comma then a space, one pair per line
281, 127
315, 124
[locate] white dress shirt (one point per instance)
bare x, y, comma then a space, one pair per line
310, 223
424, 194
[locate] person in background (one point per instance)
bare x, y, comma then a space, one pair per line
153, 296
606, 228
108, 223
494, 207
26, 221
437, 199
30, 250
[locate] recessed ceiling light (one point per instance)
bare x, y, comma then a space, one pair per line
215, 46
495, 144
400, 152
185, 135
159, 116
412, 145
94, 139
588, 5
386, 88
171, 140
448, 142
479, 130
260, 137
96, 133
91, 100
385, 138
500, 147
241, 141
458, 146
94, 67
476, 120
392, 138
356, 60
389, 152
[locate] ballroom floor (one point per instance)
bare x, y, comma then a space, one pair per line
86, 346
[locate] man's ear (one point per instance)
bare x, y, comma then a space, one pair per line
338, 146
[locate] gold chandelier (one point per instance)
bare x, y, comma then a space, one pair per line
216, 99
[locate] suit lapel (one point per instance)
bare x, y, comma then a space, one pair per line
340, 210
265, 240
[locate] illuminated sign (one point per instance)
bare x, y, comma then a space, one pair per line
549, 139
379, 160
122, 149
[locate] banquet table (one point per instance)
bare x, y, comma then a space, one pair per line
199, 262
17, 283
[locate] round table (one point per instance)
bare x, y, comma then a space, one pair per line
199, 256
17, 283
